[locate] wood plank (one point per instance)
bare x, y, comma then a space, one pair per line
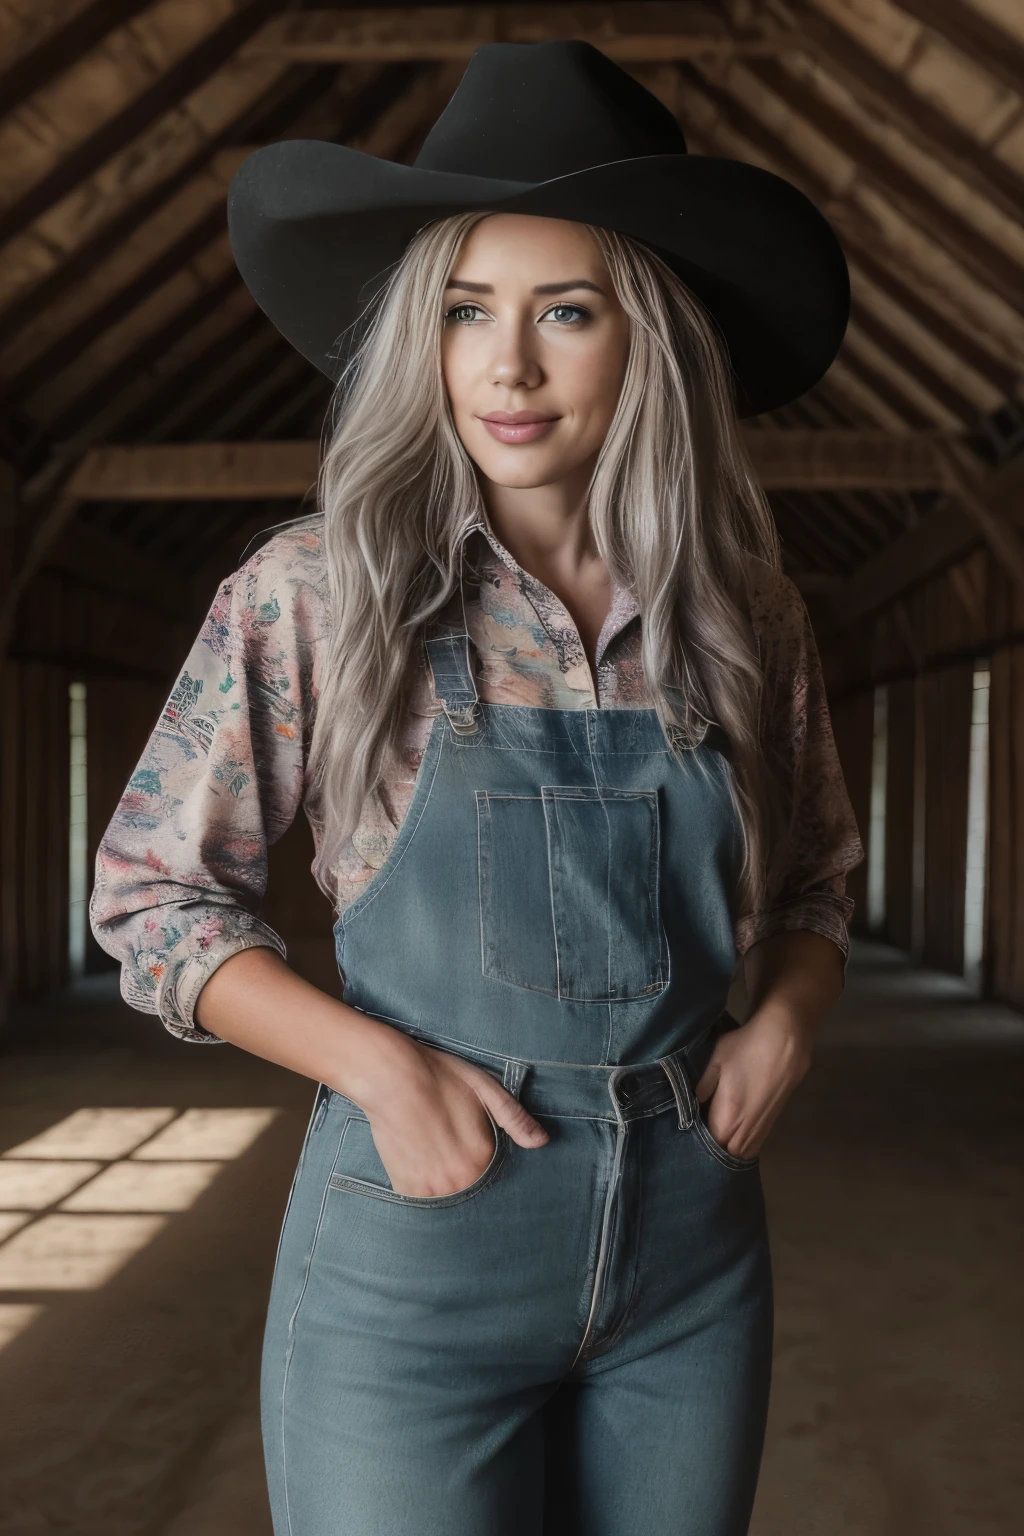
264, 120
58, 799
948, 703
191, 471
899, 813
858, 234
995, 49
28, 72
799, 460
100, 395
1014, 723
968, 244
903, 354
10, 827
945, 534
645, 30
33, 743
172, 87
888, 96
61, 352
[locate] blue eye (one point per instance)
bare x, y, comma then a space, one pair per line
577, 309
577, 312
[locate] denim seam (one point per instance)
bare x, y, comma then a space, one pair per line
291, 1334
601, 1266
398, 852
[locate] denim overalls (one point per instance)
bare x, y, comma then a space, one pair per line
579, 1343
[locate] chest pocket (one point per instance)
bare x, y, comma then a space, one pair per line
569, 892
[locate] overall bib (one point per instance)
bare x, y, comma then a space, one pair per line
580, 1341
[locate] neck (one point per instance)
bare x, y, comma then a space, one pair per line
546, 528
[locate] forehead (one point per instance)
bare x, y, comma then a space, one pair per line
527, 242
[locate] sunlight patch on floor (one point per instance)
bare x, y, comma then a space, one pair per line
80, 1199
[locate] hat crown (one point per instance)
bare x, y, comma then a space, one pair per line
535, 111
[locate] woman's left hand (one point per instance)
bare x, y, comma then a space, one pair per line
751, 1073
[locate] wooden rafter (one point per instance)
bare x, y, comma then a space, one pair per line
946, 534
65, 348
790, 460
265, 119
29, 71
858, 235
939, 220
185, 397
642, 30
172, 87
888, 96
402, 99
993, 48
98, 397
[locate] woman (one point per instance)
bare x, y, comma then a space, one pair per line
558, 723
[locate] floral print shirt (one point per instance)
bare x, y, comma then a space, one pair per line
181, 870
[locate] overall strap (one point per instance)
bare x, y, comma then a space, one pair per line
451, 662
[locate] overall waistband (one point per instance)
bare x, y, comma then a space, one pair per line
578, 1090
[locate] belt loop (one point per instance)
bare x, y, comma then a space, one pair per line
674, 1067
512, 1077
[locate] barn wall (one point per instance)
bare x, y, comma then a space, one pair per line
34, 799
1005, 929
120, 715
853, 728
899, 814
948, 697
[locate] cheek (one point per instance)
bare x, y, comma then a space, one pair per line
595, 395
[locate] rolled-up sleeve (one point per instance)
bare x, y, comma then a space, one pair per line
181, 869
820, 842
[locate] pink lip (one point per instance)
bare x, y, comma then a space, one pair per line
517, 426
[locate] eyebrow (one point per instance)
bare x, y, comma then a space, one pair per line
563, 287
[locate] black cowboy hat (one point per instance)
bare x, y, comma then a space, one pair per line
555, 129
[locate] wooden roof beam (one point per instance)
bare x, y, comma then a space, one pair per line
889, 97
989, 45
857, 233
643, 30
790, 460
939, 220
284, 107
172, 87
37, 65
945, 535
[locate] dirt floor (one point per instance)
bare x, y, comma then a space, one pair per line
894, 1180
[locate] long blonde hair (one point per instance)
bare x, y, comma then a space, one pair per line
676, 513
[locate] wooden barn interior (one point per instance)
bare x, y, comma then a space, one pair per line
154, 426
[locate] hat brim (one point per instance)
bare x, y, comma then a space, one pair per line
316, 228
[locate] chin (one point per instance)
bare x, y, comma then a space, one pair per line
523, 479
520, 469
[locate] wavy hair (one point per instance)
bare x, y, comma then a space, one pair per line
675, 509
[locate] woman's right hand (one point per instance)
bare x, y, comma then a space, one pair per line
428, 1117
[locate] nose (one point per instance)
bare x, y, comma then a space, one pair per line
513, 362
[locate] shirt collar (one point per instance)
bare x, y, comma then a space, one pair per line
551, 611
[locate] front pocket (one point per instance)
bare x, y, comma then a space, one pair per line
569, 892
358, 1167
729, 1159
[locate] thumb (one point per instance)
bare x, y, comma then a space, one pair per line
709, 1081
507, 1111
